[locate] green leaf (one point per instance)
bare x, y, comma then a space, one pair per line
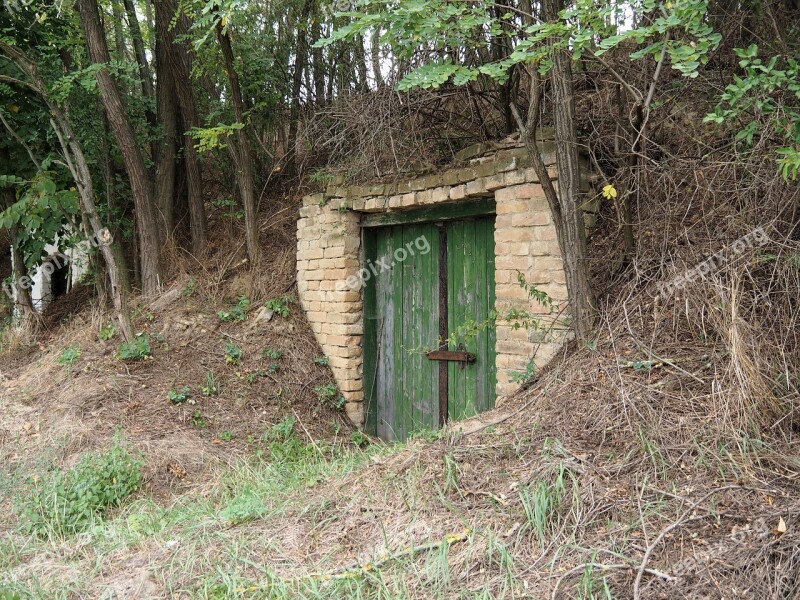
11, 181
427, 76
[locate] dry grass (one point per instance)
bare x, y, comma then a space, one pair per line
43, 404
657, 463
382, 135
660, 461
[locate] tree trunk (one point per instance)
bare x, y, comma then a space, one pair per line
375, 55
26, 313
110, 249
319, 66
301, 57
177, 54
564, 203
138, 48
148, 15
241, 153
572, 235
166, 150
334, 52
360, 59
149, 245
119, 38
79, 168
108, 162
141, 59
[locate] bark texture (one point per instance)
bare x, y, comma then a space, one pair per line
166, 147
240, 151
147, 231
564, 202
179, 59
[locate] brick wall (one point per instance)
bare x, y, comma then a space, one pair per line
329, 251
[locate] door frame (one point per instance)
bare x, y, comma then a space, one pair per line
482, 207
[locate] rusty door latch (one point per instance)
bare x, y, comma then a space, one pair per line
460, 355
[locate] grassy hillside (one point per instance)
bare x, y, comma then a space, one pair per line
659, 461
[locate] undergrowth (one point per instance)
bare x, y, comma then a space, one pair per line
195, 526
70, 501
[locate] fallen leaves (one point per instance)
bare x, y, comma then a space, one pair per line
176, 470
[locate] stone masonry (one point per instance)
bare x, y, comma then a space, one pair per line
329, 251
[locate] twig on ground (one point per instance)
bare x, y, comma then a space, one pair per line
604, 567
649, 551
355, 569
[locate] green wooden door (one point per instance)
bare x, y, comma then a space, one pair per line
430, 286
470, 306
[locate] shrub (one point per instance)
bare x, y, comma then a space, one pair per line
68, 501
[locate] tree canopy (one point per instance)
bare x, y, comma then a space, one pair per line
117, 111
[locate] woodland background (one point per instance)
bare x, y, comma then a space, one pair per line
655, 458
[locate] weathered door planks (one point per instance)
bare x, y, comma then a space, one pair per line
420, 330
402, 307
470, 286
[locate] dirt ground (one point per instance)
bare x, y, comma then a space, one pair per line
657, 461
42, 401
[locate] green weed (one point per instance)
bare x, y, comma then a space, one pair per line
653, 453
238, 312
233, 354
588, 585
69, 356
542, 501
68, 502
328, 394
359, 438
211, 388
179, 396
526, 376
198, 420
138, 349
451, 473
191, 287
107, 332
279, 306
